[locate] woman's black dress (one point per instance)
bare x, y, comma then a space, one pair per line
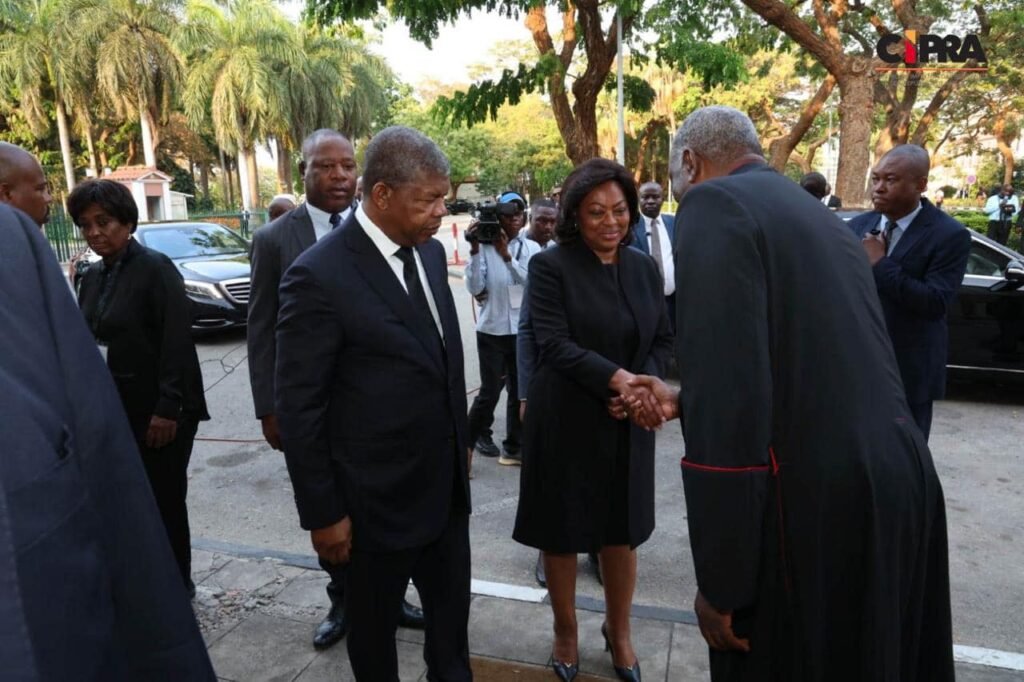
587, 479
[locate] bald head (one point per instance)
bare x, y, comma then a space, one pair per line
278, 207
328, 170
23, 184
899, 179
711, 142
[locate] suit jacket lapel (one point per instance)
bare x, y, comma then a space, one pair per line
912, 235
302, 228
381, 278
640, 236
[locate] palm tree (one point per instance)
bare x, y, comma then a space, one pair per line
234, 50
138, 68
38, 68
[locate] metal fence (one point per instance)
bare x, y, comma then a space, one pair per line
67, 242
65, 239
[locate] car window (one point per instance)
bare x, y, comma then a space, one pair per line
190, 241
986, 261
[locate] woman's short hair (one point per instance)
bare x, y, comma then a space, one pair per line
114, 198
580, 183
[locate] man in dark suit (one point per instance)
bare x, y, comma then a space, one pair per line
816, 518
328, 169
89, 588
23, 184
371, 400
918, 255
654, 234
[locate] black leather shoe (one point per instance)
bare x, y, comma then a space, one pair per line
630, 674
538, 572
332, 629
410, 616
486, 447
566, 672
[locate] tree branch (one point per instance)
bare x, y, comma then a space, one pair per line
781, 149
783, 18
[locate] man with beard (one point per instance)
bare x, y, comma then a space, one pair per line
22, 183
328, 169
816, 518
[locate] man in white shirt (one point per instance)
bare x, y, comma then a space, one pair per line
654, 234
328, 169
498, 269
1001, 208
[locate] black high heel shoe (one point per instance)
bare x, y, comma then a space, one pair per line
566, 672
630, 674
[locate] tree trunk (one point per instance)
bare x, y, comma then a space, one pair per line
65, 145
243, 179
225, 179
204, 180
284, 167
781, 149
91, 146
1003, 142
148, 148
856, 106
254, 179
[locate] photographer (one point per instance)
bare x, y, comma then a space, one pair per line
1002, 207
496, 276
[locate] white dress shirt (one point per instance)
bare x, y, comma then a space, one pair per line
901, 226
322, 220
667, 265
388, 249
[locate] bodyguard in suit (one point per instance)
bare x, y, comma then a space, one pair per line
918, 255
89, 589
654, 234
328, 170
371, 401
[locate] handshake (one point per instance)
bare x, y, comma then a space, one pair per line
648, 401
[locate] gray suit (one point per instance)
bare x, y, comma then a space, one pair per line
89, 589
274, 247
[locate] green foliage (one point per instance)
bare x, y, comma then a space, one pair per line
482, 100
637, 94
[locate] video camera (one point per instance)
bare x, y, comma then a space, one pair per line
488, 229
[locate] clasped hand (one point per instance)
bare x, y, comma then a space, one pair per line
647, 401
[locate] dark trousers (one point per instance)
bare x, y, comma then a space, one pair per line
497, 368
922, 413
336, 587
376, 586
999, 230
167, 470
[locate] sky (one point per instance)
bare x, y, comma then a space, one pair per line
458, 46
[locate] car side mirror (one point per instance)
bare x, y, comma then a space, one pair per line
1013, 278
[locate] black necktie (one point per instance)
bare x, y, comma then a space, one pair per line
335, 220
411, 275
890, 226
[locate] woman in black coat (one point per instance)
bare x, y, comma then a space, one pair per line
135, 305
587, 482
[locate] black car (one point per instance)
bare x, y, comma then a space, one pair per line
214, 262
986, 319
460, 206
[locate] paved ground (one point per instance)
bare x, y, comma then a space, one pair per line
241, 505
257, 616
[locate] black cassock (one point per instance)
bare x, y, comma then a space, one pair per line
814, 509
